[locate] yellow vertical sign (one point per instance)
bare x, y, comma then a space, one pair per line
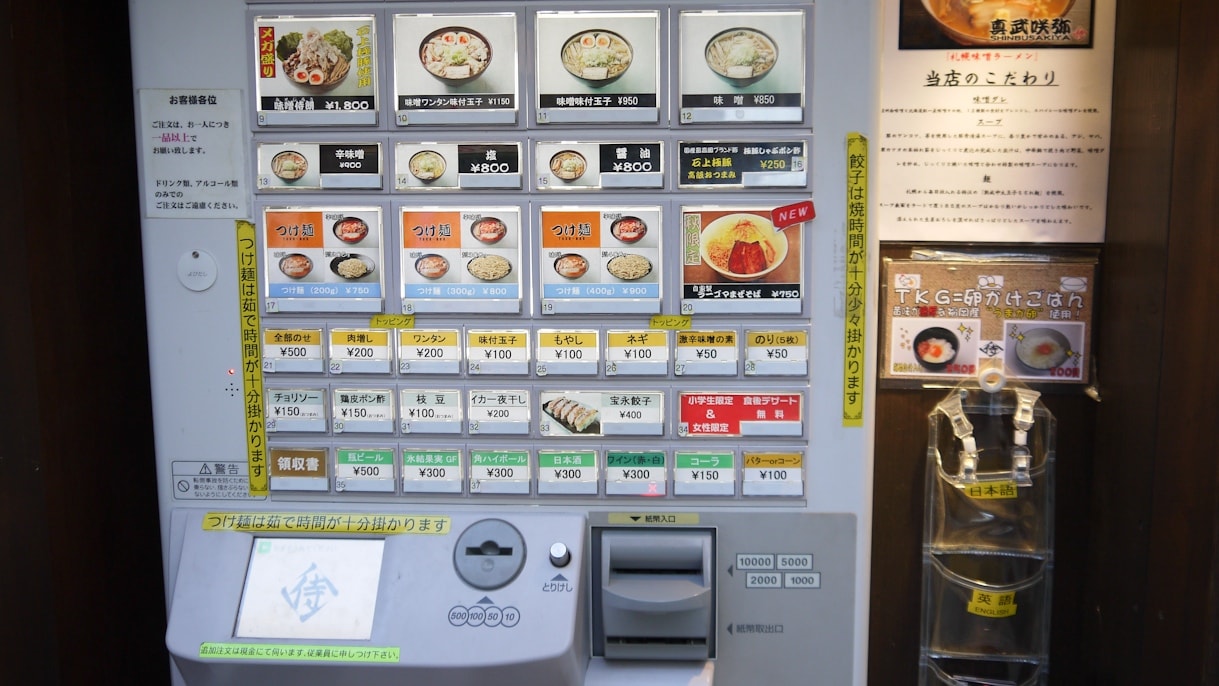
856, 280
251, 358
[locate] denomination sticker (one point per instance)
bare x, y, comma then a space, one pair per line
498, 411
640, 473
642, 352
431, 471
567, 472
429, 351
741, 414
368, 410
706, 353
499, 471
569, 351
292, 350
772, 474
364, 469
497, 351
296, 409
699, 473
776, 353
431, 411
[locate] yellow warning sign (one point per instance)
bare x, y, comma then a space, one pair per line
328, 523
855, 308
251, 358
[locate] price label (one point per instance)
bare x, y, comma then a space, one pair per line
567, 472
635, 473
706, 353
498, 411
741, 414
568, 352
296, 409
292, 350
363, 409
429, 351
431, 471
776, 353
497, 352
772, 474
359, 351
364, 470
430, 411
644, 352
499, 471
630, 413
698, 473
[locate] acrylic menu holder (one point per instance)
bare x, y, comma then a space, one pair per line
988, 538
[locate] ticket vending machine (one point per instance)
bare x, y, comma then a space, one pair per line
509, 342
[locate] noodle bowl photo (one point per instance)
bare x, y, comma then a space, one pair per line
742, 247
597, 57
455, 54
741, 56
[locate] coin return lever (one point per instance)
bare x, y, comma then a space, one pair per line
654, 595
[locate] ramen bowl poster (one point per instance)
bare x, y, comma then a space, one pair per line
949, 24
956, 319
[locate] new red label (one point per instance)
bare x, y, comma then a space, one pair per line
795, 213
721, 414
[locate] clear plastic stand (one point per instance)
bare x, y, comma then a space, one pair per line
988, 537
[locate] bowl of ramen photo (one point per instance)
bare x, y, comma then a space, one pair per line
432, 266
289, 165
455, 54
628, 229
350, 229
741, 56
935, 348
568, 165
351, 267
1042, 349
315, 61
489, 230
597, 57
742, 246
295, 266
427, 165
571, 266
969, 22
